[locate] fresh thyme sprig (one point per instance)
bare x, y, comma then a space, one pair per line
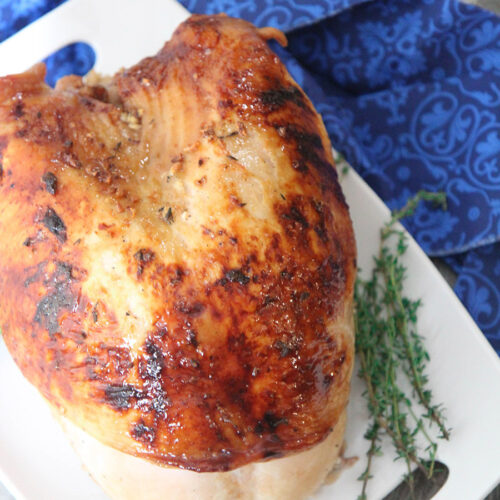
390, 349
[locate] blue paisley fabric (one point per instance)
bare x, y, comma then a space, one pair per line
410, 93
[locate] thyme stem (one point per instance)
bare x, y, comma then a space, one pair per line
388, 348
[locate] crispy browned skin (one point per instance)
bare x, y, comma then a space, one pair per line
177, 258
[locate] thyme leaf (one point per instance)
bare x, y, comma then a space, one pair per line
390, 350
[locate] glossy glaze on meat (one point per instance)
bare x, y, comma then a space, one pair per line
176, 257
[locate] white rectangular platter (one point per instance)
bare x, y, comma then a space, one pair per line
37, 463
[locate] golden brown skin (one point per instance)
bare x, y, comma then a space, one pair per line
177, 258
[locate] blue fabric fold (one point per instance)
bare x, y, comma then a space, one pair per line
410, 94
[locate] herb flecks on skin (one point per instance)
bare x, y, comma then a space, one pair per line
389, 350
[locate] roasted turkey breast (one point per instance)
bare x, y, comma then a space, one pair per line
177, 258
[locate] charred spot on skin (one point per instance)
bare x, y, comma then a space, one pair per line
62, 297
236, 276
18, 110
161, 330
143, 433
275, 98
190, 309
178, 276
115, 363
39, 269
268, 299
120, 396
269, 422
259, 428
50, 181
69, 159
308, 143
309, 148
153, 397
154, 361
143, 256
295, 215
328, 378
283, 348
332, 274
273, 421
320, 227
192, 339
321, 232
55, 225
30, 241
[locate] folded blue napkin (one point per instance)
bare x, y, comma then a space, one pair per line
410, 93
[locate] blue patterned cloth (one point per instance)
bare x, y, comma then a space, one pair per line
410, 94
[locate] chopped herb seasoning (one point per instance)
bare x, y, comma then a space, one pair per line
169, 216
231, 134
95, 314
